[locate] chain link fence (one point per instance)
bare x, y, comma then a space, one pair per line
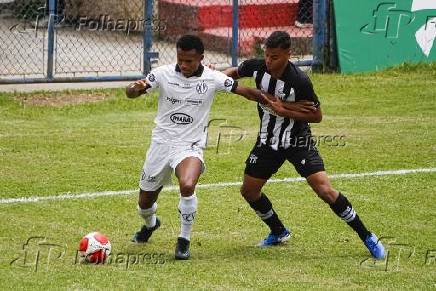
212, 21
98, 39
21, 48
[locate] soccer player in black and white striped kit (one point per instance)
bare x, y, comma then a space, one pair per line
285, 134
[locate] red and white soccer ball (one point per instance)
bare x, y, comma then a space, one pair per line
95, 248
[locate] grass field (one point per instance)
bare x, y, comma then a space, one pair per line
387, 120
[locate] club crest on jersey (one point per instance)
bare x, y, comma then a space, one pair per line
181, 118
281, 94
201, 88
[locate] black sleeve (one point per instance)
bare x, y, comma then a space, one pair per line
247, 68
234, 86
306, 91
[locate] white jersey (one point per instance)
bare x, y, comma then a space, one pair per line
184, 103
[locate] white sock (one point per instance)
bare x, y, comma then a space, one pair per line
187, 209
149, 215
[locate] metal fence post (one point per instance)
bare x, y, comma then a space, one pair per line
148, 35
50, 40
320, 26
235, 23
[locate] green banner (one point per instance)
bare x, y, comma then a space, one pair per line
375, 34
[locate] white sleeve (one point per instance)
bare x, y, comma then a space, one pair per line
224, 82
154, 78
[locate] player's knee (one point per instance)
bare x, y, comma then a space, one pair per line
147, 199
187, 186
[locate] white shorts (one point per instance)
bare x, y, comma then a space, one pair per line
161, 161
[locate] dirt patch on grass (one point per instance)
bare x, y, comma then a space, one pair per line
60, 99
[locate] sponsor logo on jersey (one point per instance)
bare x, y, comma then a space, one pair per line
195, 102
184, 86
201, 88
173, 100
181, 118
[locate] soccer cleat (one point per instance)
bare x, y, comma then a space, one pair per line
375, 246
144, 234
274, 239
182, 249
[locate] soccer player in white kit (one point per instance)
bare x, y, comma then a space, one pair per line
185, 98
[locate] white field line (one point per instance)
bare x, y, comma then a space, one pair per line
90, 195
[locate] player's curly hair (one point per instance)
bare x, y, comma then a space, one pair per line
278, 39
189, 42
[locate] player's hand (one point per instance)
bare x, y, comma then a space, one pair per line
279, 106
265, 98
303, 106
136, 89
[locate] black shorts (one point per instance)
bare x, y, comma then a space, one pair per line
264, 161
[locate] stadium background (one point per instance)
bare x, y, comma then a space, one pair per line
108, 40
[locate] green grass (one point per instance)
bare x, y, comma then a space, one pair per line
388, 120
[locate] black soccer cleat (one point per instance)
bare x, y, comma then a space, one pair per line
144, 234
182, 249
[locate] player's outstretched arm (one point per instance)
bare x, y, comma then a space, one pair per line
250, 94
304, 110
137, 88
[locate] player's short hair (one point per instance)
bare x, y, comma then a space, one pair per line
189, 42
278, 39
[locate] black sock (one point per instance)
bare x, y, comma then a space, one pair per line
264, 210
342, 207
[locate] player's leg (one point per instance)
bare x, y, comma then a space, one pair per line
188, 166
310, 165
156, 173
261, 164
340, 205
188, 173
147, 207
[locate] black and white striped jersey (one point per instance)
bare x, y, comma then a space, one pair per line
294, 85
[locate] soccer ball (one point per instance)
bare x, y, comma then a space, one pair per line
95, 248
